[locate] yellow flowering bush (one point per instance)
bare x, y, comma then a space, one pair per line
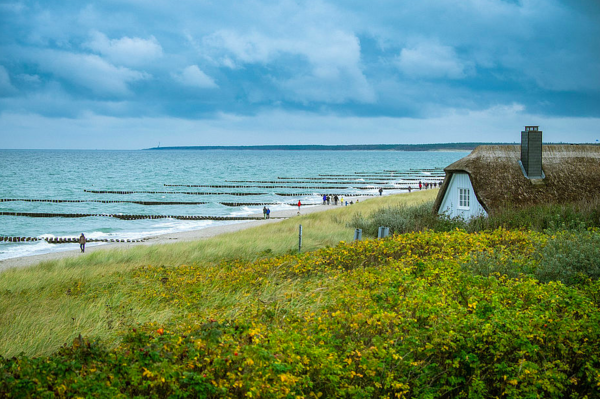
394, 318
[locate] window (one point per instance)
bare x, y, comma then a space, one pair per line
463, 198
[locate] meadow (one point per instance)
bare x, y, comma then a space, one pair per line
434, 312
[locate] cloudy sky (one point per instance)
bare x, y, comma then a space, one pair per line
132, 74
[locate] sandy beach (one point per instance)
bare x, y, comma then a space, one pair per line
170, 238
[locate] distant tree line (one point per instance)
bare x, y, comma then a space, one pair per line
355, 147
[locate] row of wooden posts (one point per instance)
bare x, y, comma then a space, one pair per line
57, 201
416, 179
64, 240
128, 217
148, 202
347, 182
408, 172
404, 176
208, 193
302, 187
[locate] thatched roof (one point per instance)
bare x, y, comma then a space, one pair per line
572, 174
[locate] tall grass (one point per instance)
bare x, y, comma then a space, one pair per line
546, 217
46, 305
404, 218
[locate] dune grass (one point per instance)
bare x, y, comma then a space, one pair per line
422, 314
46, 305
409, 316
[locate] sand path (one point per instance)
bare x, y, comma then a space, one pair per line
170, 238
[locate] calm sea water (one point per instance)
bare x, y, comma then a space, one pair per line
64, 175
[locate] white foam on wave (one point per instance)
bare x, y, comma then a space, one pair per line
170, 226
246, 210
9, 250
280, 207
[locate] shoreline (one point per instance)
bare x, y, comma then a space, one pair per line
183, 236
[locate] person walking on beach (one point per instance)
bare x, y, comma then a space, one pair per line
299, 205
264, 212
380, 191
324, 199
268, 213
328, 199
82, 242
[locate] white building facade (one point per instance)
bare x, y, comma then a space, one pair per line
460, 200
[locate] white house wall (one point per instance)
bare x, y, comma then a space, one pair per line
449, 204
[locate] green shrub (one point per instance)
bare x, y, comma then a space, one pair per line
497, 263
570, 258
404, 219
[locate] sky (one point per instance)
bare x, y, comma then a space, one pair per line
134, 74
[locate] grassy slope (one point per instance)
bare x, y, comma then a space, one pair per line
42, 306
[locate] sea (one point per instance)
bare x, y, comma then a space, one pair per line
97, 185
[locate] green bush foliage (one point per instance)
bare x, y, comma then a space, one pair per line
402, 317
570, 258
404, 219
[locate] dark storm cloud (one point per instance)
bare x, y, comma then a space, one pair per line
208, 64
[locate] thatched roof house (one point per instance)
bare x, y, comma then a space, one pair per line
570, 173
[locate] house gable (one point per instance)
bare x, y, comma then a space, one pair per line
460, 199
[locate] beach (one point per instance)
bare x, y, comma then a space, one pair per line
183, 236
176, 192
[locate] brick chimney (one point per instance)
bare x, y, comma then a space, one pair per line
531, 152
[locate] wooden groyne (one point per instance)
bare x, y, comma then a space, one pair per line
165, 192
129, 217
58, 201
260, 204
325, 178
338, 185
63, 240
227, 193
346, 183
332, 194
349, 187
378, 179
